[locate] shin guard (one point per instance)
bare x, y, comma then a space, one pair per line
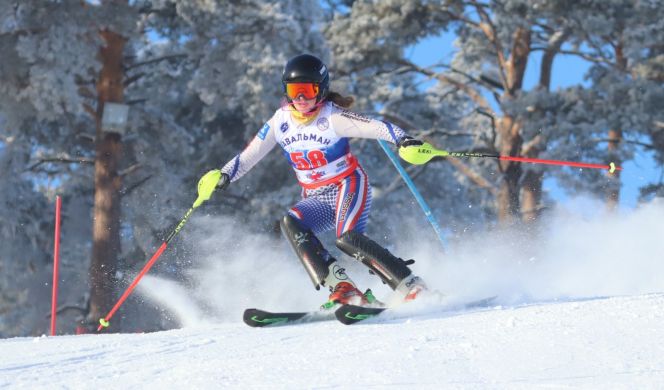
391, 269
314, 257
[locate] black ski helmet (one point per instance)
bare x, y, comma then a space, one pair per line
307, 68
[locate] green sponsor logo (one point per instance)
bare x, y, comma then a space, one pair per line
274, 320
358, 317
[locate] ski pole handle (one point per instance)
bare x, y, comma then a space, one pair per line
206, 186
420, 154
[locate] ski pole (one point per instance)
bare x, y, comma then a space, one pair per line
206, 186
422, 154
411, 186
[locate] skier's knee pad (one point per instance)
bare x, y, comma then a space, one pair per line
308, 248
391, 269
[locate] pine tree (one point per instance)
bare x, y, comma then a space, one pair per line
199, 77
496, 44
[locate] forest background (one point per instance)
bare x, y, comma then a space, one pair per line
566, 80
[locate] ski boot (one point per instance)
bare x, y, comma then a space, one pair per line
345, 293
392, 270
412, 288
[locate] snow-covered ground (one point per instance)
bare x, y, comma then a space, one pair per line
581, 305
601, 343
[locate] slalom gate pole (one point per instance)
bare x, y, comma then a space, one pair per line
56, 261
413, 189
206, 187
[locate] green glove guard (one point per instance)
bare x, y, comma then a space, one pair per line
420, 154
207, 185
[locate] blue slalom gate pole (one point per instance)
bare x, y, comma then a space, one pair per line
411, 186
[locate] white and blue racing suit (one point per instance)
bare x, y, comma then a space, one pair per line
336, 190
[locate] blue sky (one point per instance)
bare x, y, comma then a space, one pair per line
567, 71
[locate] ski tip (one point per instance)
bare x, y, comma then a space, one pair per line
260, 318
351, 314
250, 318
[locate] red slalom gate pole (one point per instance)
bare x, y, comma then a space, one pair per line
56, 261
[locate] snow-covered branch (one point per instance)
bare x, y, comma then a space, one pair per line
61, 160
156, 60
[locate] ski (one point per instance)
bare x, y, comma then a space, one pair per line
352, 314
257, 318
260, 318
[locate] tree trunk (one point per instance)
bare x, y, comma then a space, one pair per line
508, 194
509, 130
531, 189
106, 224
613, 186
532, 196
612, 192
533, 180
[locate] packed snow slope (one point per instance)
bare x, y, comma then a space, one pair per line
602, 343
580, 304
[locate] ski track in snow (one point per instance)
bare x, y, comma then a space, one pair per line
597, 343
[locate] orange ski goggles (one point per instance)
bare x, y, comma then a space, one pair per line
308, 90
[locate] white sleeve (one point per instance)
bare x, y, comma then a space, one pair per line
353, 125
258, 148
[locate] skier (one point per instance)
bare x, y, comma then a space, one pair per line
313, 128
